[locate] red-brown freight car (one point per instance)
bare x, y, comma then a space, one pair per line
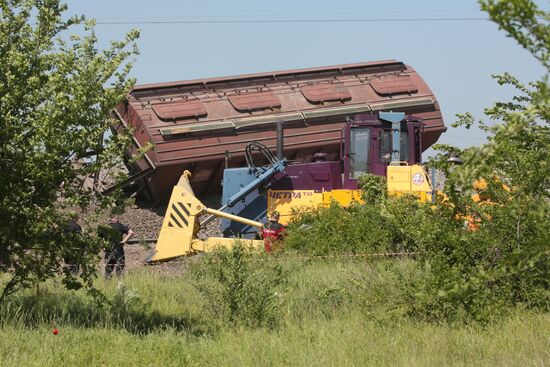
204, 125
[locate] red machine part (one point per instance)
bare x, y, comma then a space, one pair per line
272, 237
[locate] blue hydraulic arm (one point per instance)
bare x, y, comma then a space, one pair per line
279, 166
263, 177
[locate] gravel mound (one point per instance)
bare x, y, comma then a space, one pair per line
146, 222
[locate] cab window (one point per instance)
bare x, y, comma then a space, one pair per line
359, 151
386, 146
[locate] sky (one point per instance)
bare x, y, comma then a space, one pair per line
456, 58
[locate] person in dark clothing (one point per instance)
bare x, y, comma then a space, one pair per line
116, 235
71, 258
273, 232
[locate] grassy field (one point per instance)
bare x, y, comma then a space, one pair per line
336, 313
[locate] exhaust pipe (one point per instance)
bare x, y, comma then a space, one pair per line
280, 140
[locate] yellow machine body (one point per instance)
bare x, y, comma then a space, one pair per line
409, 180
402, 179
178, 235
246, 186
287, 202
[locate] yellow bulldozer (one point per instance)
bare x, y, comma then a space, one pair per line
386, 144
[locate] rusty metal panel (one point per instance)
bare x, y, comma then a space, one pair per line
325, 92
210, 117
254, 101
391, 85
269, 77
178, 110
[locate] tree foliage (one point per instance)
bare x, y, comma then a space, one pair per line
56, 94
509, 262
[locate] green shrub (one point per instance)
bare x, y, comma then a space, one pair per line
336, 230
241, 287
393, 225
478, 275
470, 275
374, 188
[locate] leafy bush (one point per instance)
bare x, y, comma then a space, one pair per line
336, 230
241, 287
470, 275
373, 188
505, 261
395, 224
477, 275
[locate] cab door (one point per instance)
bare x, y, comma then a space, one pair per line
379, 146
382, 148
356, 154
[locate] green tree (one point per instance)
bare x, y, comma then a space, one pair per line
519, 136
56, 94
507, 260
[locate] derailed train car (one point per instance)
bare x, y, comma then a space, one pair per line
204, 125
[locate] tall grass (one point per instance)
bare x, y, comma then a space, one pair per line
343, 312
130, 306
349, 340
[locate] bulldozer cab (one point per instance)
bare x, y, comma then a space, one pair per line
369, 145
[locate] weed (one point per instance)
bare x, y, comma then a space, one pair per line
240, 288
